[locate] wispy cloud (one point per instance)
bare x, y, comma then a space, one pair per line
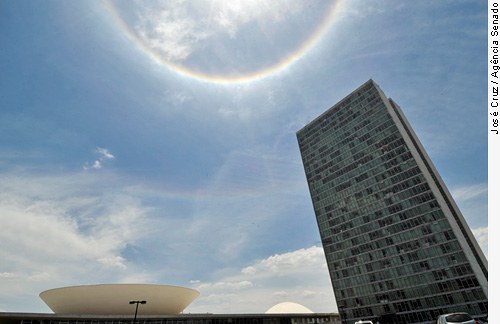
103, 155
9, 275
176, 28
214, 37
466, 193
64, 230
250, 194
481, 234
299, 276
472, 199
170, 30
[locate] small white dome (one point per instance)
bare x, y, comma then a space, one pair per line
289, 308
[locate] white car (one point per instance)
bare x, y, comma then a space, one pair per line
456, 318
364, 322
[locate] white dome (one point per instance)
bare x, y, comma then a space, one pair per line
289, 308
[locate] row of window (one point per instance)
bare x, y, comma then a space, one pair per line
360, 281
331, 141
350, 131
404, 229
399, 151
333, 244
356, 232
338, 114
370, 191
396, 300
417, 193
359, 275
340, 170
406, 257
380, 180
357, 287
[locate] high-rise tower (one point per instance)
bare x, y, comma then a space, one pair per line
397, 247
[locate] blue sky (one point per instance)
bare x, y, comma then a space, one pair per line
155, 143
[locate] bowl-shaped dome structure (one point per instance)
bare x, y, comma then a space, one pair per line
113, 299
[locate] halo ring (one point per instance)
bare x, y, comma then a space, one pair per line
263, 72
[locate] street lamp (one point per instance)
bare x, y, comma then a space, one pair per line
136, 302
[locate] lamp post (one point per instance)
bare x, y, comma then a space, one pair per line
136, 302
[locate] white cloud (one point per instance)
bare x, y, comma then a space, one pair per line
225, 286
113, 262
481, 235
473, 203
103, 155
177, 29
63, 230
230, 15
40, 276
249, 270
9, 275
97, 164
300, 276
290, 262
175, 98
362, 10
170, 31
464, 193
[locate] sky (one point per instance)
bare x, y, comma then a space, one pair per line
154, 142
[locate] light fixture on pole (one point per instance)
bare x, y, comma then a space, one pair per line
136, 302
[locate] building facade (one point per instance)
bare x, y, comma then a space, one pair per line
397, 247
